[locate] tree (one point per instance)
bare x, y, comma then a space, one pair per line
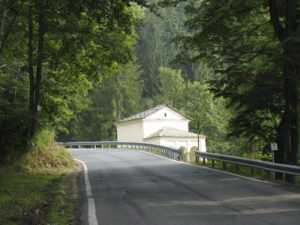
61, 47
80, 29
193, 97
172, 88
254, 47
118, 96
214, 118
128, 94
154, 48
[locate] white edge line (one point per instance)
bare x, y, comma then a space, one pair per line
92, 219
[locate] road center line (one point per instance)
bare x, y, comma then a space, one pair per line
92, 219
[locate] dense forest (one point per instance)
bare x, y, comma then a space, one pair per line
153, 78
75, 67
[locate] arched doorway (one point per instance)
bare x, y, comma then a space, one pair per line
184, 153
192, 153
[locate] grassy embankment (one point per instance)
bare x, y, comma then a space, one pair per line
34, 190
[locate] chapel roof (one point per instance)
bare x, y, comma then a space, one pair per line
144, 114
172, 132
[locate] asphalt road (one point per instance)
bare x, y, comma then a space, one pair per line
135, 188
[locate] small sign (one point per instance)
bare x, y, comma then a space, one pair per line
274, 147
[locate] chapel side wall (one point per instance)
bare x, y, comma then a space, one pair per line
188, 143
151, 126
155, 141
203, 144
131, 131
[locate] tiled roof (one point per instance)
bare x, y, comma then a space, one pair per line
172, 132
148, 112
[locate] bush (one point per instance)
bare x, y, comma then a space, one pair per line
45, 155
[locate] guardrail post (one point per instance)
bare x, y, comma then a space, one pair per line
224, 165
203, 161
272, 175
236, 167
252, 171
213, 163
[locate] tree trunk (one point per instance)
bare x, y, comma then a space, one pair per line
35, 83
288, 137
30, 71
118, 97
291, 154
279, 154
2, 23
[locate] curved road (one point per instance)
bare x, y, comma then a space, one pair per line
132, 187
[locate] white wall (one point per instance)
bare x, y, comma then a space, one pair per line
151, 126
131, 131
137, 130
166, 113
155, 141
164, 118
174, 142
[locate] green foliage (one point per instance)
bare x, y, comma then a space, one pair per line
117, 96
194, 97
172, 88
34, 193
31, 182
63, 208
28, 189
155, 49
13, 94
51, 52
128, 90
252, 49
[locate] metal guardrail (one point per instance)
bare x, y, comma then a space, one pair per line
178, 155
252, 163
158, 149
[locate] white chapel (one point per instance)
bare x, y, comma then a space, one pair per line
161, 125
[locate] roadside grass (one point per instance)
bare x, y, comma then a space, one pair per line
25, 197
63, 209
33, 188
